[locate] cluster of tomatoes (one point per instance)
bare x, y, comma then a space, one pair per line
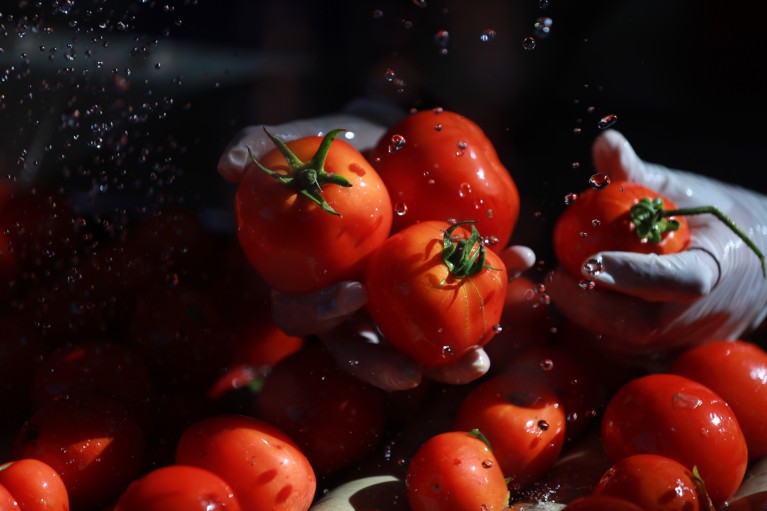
140, 368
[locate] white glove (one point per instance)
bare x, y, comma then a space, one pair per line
650, 304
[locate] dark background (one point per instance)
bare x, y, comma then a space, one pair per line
127, 105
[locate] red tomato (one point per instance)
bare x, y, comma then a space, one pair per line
439, 165
599, 220
295, 244
7, 501
737, 371
425, 309
655, 483
334, 418
178, 488
34, 485
524, 424
599, 503
266, 470
455, 471
673, 416
94, 446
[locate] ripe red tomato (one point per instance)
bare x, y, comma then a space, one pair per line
737, 371
93, 444
673, 416
655, 483
524, 424
292, 242
455, 471
439, 165
425, 309
266, 470
34, 485
599, 220
334, 418
7, 501
597, 503
178, 488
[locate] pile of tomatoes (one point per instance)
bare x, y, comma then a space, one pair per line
140, 368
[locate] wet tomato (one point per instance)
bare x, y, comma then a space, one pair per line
737, 371
264, 468
599, 503
600, 220
178, 488
305, 226
439, 165
435, 291
455, 471
673, 416
35, 485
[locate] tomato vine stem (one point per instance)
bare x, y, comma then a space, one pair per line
306, 177
652, 221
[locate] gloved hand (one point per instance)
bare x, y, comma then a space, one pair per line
650, 304
335, 313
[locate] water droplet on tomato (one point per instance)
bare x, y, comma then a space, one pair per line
593, 267
529, 43
542, 26
489, 213
487, 464
543, 425
400, 209
437, 127
447, 351
599, 181
570, 198
497, 329
487, 35
681, 400
464, 189
396, 143
438, 110
607, 121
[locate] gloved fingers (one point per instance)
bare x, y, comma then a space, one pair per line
517, 259
318, 312
360, 133
682, 277
358, 350
468, 368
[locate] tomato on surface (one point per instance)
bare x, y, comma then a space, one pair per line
34, 485
439, 165
93, 444
178, 488
263, 466
427, 300
737, 371
524, 424
455, 471
655, 483
599, 220
334, 418
673, 416
291, 241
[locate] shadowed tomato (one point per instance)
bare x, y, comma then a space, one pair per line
439, 165
673, 416
296, 244
266, 470
600, 220
435, 292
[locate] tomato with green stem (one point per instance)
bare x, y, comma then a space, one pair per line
310, 213
435, 291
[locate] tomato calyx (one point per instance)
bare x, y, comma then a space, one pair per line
464, 257
307, 177
652, 221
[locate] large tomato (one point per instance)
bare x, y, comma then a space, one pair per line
439, 165
600, 220
435, 291
673, 416
455, 471
296, 244
34, 485
737, 371
265, 469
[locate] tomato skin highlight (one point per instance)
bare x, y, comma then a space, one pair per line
421, 308
599, 221
291, 242
455, 471
35, 485
673, 416
447, 168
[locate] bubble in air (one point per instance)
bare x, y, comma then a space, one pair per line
464, 189
487, 35
528, 43
599, 181
570, 198
607, 121
593, 267
396, 143
400, 209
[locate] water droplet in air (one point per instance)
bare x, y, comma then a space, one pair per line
389, 74
542, 26
576, 165
607, 121
547, 364
570, 198
396, 143
497, 329
599, 181
596, 222
442, 38
438, 110
528, 43
487, 35
419, 3
378, 13
400, 209
577, 131
587, 285
158, 65
464, 189
593, 267
681, 400
543, 425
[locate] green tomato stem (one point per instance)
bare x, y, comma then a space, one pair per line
464, 257
307, 177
